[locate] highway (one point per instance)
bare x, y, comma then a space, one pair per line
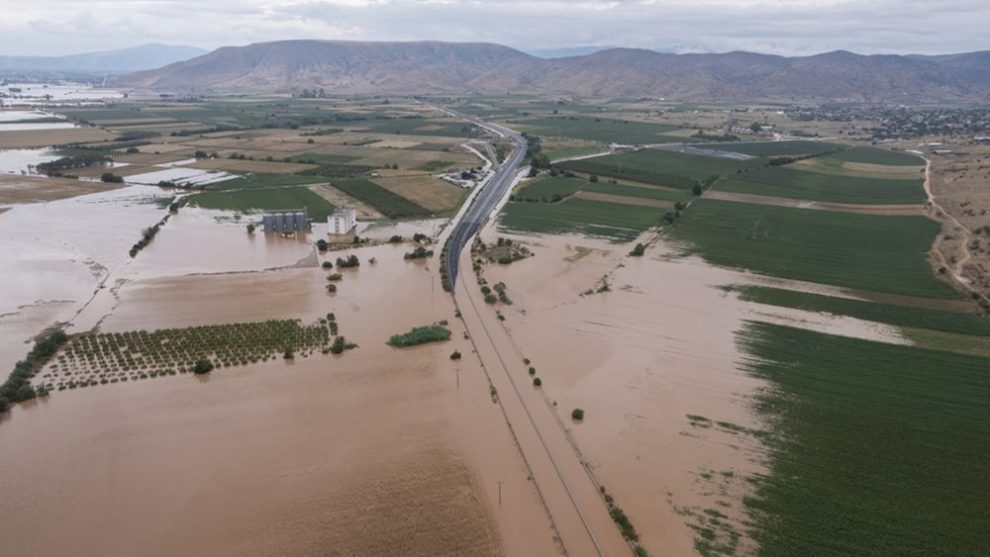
489, 196
577, 511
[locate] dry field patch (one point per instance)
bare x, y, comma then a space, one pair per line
426, 191
38, 189
338, 198
45, 138
149, 158
256, 166
161, 148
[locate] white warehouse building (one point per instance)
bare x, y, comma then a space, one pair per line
341, 222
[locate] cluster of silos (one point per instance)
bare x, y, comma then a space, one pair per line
285, 221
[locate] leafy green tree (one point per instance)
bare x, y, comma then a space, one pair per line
202, 366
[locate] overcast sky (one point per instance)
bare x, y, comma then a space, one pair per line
53, 27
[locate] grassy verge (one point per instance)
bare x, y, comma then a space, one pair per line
869, 252
877, 449
961, 323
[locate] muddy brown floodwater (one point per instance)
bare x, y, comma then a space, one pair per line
639, 360
379, 451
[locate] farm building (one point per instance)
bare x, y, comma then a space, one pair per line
286, 221
341, 222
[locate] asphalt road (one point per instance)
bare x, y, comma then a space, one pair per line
486, 199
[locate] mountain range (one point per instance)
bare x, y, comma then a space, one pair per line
121, 61
483, 68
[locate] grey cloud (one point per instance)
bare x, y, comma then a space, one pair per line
776, 26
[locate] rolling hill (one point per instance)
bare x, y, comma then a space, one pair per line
121, 61
439, 67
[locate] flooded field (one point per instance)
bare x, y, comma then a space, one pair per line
27, 126
7, 116
180, 175
57, 254
21, 161
654, 364
40, 94
250, 460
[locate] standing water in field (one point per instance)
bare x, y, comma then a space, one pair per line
24, 161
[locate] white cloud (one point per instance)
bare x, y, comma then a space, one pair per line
777, 26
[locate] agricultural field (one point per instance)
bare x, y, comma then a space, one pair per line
603, 130
617, 222
545, 189
831, 165
778, 148
265, 199
101, 358
417, 126
662, 168
262, 181
901, 316
436, 196
637, 191
876, 449
868, 252
385, 201
780, 181
872, 155
279, 146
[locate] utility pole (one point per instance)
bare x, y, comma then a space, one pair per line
500, 492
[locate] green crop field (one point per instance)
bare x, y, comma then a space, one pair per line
390, 204
323, 159
271, 199
640, 192
664, 168
263, 181
780, 181
869, 252
876, 449
950, 322
546, 188
778, 148
416, 126
873, 155
618, 222
604, 130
